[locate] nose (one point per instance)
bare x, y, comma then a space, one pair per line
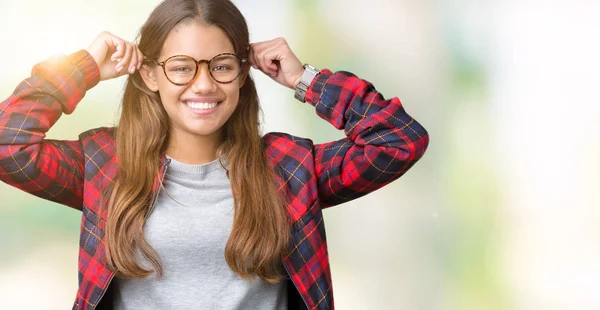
204, 83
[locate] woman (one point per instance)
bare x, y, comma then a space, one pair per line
184, 204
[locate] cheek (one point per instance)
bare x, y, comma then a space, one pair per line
169, 93
233, 93
234, 97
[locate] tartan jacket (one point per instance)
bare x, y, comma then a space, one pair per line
382, 142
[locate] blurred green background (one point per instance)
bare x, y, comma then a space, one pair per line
501, 213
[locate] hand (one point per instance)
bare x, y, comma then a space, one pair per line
275, 59
115, 56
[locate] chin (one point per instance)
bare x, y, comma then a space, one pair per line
203, 131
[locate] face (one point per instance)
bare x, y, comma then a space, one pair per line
201, 107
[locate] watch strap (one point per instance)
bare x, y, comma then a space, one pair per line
308, 76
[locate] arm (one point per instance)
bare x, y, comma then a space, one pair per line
49, 169
382, 141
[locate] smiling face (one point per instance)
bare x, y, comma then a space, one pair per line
203, 106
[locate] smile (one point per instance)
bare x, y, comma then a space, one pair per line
202, 108
201, 105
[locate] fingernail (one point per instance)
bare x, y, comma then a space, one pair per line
132, 69
119, 68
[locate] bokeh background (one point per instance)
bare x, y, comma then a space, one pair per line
501, 213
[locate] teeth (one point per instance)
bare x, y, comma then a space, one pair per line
201, 105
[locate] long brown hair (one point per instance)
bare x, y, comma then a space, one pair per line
260, 230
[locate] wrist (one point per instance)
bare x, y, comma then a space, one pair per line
296, 80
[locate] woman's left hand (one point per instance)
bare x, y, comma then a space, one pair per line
275, 59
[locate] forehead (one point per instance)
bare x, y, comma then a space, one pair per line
196, 40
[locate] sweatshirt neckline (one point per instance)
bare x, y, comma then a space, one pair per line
199, 169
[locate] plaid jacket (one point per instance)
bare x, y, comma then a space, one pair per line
382, 142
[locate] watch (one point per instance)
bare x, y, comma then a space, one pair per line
308, 76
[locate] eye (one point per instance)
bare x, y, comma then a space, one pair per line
221, 68
182, 69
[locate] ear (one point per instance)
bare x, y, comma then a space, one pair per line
244, 74
149, 77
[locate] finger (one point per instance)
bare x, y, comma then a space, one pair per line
140, 57
119, 47
270, 59
258, 62
265, 45
134, 59
276, 44
252, 56
259, 56
125, 59
258, 50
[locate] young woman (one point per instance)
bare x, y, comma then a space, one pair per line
185, 205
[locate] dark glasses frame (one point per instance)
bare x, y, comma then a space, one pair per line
198, 63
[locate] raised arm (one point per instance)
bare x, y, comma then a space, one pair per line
382, 141
52, 169
49, 169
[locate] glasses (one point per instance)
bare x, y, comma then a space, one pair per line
182, 69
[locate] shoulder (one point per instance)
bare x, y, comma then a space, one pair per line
99, 137
288, 152
284, 141
97, 131
283, 149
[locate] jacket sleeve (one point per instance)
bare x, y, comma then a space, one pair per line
50, 169
382, 141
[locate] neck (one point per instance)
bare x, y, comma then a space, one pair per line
193, 149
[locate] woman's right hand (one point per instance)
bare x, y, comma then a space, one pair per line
115, 56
